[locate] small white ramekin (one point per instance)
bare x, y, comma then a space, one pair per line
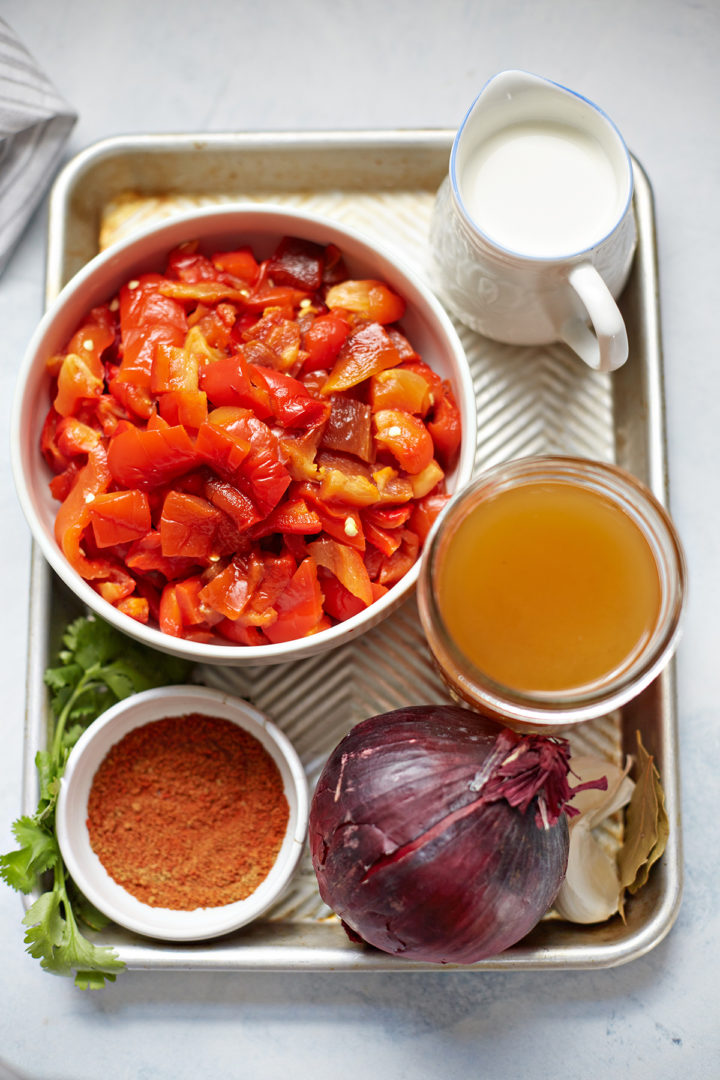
87, 870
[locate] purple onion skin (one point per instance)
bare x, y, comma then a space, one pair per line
400, 862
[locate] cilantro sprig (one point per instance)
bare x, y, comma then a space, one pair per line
97, 667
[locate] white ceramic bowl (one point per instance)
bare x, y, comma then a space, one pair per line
86, 868
425, 323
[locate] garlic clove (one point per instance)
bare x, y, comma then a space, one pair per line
591, 890
595, 805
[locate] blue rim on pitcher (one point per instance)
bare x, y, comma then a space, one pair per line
471, 222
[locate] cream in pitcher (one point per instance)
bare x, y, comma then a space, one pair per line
533, 234
541, 188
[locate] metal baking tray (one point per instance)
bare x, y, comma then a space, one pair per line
529, 401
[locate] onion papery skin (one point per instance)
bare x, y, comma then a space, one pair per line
407, 854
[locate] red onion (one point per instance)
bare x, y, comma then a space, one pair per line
438, 835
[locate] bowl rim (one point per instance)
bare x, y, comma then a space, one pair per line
279, 220
88, 872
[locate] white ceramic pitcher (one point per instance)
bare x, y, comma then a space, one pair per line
533, 232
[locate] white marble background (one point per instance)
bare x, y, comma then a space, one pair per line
151, 65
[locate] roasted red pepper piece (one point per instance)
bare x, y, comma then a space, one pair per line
278, 335
137, 607
261, 475
241, 634
187, 592
265, 295
345, 563
135, 400
191, 293
62, 483
170, 617
400, 388
299, 607
338, 602
444, 425
232, 381
383, 526
232, 501
119, 516
186, 263
75, 437
189, 525
424, 513
173, 368
221, 449
373, 299
323, 340
241, 264
349, 427
81, 375
145, 557
187, 408
291, 404
230, 589
149, 458
334, 269
116, 584
73, 517
147, 318
49, 448
342, 522
394, 567
298, 263
278, 571
291, 516
405, 437
366, 351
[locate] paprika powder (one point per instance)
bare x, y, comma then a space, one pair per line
187, 812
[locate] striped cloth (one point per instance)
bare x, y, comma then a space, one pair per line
34, 125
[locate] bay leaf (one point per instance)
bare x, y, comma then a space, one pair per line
663, 831
646, 824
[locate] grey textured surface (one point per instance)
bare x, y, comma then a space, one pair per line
147, 66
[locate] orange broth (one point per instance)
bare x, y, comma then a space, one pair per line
548, 587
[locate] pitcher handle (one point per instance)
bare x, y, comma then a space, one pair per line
607, 348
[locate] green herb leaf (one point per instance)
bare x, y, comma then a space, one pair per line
40, 845
38, 852
97, 667
90, 641
50, 768
77, 953
93, 980
46, 926
54, 939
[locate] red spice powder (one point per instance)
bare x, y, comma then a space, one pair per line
187, 812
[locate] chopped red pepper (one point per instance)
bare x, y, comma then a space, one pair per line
365, 352
299, 607
147, 318
373, 299
138, 458
119, 516
299, 263
246, 451
323, 340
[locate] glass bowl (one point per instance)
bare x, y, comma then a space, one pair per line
484, 683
